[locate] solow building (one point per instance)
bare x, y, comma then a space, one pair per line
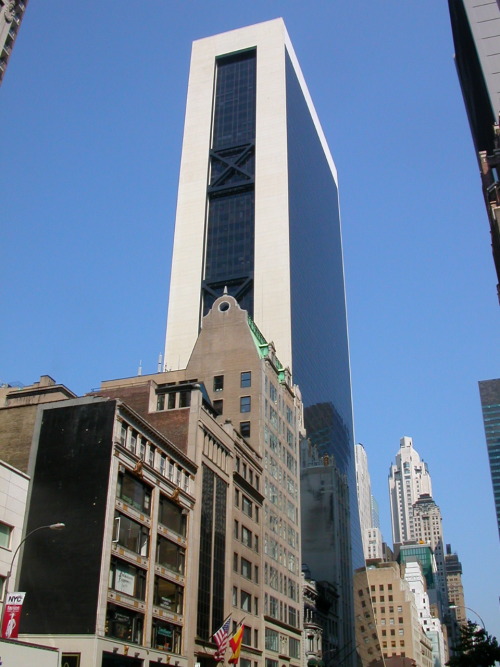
274, 241
325, 530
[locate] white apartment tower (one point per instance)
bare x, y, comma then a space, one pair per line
408, 479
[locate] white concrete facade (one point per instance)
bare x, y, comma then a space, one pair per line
431, 626
272, 299
13, 493
370, 533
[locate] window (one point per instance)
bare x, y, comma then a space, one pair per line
127, 579
246, 568
294, 647
218, 406
247, 636
218, 382
245, 429
172, 516
246, 379
184, 399
246, 506
124, 624
171, 401
272, 641
131, 534
162, 464
273, 607
235, 597
2, 587
151, 456
235, 562
168, 595
246, 537
256, 574
133, 440
166, 636
246, 601
5, 535
160, 402
236, 530
170, 555
245, 404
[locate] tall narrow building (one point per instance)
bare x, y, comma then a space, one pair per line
370, 531
490, 402
258, 218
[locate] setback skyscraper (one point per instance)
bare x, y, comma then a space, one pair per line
408, 479
258, 216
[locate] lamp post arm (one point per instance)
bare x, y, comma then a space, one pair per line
15, 554
456, 606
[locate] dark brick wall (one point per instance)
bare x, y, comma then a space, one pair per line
16, 433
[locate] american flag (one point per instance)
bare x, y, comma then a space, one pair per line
220, 638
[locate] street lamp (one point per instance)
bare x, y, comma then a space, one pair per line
52, 526
461, 606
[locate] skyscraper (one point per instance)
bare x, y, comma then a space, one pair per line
258, 215
370, 531
476, 37
408, 479
489, 391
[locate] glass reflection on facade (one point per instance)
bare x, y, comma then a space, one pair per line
490, 402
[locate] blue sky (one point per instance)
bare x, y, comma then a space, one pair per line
92, 110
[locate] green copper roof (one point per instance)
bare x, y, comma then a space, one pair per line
263, 347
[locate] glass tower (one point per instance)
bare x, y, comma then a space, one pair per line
258, 216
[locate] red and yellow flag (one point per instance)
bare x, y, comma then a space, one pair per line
235, 644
